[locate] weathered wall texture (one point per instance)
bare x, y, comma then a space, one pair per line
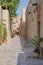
41, 20
23, 22
15, 24
6, 21
31, 21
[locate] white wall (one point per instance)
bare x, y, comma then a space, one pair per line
15, 23
5, 18
24, 14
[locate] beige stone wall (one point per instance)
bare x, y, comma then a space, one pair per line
31, 22
23, 24
31, 27
6, 21
15, 23
24, 14
41, 21
20, 27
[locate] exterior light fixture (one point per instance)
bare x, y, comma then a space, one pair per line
34, 4
28, 12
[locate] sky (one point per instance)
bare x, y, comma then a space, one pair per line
23, 4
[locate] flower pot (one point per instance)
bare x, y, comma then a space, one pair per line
36, 55
0, 43
5, 40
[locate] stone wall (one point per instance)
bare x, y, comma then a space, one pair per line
6, 21
31, 21
23, 23
41, 20
41, 30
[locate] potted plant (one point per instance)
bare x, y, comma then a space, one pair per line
36, 43
0, 39
4, 34
1, 33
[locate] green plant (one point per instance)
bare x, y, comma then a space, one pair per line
4, 32
11, 5
36, 42
1, 37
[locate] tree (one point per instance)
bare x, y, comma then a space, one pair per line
1, 32
4, 32
11, 5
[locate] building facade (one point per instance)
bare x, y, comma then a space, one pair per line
41, 29
31, 21
34, 21
4, 17
15, 25
23, 23
6, 21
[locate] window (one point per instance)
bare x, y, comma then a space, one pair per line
16, 21
32, 19
34, 10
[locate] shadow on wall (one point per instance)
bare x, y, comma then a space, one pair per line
21, 56
24, 60
21, 59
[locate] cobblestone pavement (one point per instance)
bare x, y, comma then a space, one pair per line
30, 60
33, 61
14, 53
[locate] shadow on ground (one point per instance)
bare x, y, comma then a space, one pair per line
25, 58
22, 56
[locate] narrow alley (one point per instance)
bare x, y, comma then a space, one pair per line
14, 53
21, 32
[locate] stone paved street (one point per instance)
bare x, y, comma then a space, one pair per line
14, 53
33, 61
11, 53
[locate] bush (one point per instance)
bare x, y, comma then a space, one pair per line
1, 37
3, 32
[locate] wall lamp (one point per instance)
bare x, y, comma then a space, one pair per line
28, 12
34, 4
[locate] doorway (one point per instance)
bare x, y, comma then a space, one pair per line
38, 29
